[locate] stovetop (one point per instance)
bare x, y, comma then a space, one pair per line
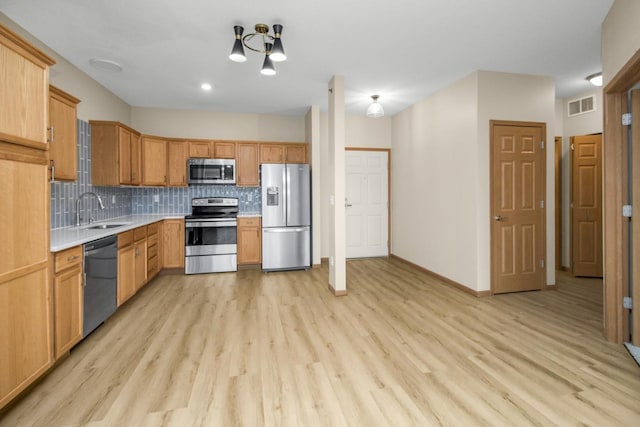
213, 208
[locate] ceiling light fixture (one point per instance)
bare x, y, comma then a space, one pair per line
105, 65
206, 86
271, 46
375, 109
595, 79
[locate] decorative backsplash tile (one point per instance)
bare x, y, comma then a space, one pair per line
121, 201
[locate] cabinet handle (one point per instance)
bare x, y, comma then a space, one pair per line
73, 258
53, 170
51, 134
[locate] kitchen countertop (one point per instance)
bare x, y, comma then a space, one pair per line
68, 237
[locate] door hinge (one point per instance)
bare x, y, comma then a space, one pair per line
627, 302
541, 204
627, 211
541, 263
627, 118
542, 145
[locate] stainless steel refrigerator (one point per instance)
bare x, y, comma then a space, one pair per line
286, 216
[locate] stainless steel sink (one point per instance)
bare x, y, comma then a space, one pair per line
104, 226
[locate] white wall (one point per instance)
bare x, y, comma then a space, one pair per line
517, 97
217, 125
98, 103
620, 36
434, 173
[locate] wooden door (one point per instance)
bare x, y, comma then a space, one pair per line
126, 273
586, 203
63, 130
68, 294
249, 241
635, 201
367, 203
224, 150
271, 153
200, 149
558, 190
517, 206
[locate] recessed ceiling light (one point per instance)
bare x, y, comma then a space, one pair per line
206, 86
105, 65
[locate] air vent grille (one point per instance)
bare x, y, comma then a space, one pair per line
581, 106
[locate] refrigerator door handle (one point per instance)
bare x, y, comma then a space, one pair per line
284, 230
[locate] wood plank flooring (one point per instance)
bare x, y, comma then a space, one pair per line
401, 349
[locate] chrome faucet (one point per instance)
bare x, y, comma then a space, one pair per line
88, 193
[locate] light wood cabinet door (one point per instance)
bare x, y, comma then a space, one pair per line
68, 303
26, 327
247, 164
63, 135
271, 153
126, 273
249, 241
176, 164
154, 161
201, 149
24, 100
136, 159
224, 150
124, 155
296, 153
140, 261
173, 243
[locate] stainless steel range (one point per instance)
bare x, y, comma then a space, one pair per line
211, 236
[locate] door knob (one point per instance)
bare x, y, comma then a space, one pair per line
498, 218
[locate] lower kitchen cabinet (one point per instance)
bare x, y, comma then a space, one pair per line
67, 299
140, 256
153, 250
173, 243
126, 267
249, 241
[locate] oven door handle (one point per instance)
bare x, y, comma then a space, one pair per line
206, 224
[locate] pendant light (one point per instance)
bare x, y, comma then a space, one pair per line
267, 66
375, 109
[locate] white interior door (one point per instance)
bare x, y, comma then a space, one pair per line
367, 203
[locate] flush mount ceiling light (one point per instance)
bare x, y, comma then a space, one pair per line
375, 109
105, 65
595, 79
206, 86
270, 45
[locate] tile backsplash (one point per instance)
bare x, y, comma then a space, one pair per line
120, 201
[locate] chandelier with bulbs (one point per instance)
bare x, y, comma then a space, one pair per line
262, 42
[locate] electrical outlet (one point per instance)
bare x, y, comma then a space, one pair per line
156, 198
250, 197
113, 200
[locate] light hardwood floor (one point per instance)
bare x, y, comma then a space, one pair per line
401, 349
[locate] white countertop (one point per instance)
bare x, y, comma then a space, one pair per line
68, 237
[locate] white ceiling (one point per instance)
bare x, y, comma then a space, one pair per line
402, 50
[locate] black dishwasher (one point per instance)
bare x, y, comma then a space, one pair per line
100, 282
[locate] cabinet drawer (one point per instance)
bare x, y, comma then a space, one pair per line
152, 265
152, 229
152, 240
67, 258
139, 233
249, 222
125, 239
152, 250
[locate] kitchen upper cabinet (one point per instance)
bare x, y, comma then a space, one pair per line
26, 297
249, 240
295, 153
63, 135
200, 149
224, 150
173, 243
24, 89
115, 154
68, 299
247, 164
177, 163
271, 153
154, 160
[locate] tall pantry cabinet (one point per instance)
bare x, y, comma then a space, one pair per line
26, 314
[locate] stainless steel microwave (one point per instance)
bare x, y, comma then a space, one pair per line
211, 171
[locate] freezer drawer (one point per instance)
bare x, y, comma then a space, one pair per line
286, 248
